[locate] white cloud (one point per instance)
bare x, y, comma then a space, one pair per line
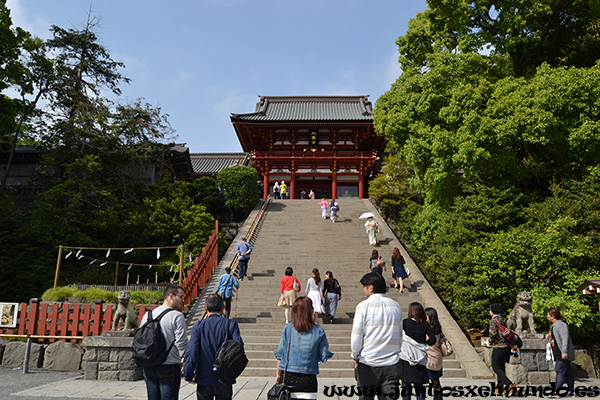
180, 79
34, 24
392, 72
185, 76
228, 102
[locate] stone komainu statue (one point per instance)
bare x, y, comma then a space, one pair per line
125, 313
521, 317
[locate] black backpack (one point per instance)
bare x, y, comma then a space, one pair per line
149, 345
230, 359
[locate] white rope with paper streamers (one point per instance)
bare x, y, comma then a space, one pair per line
80, 256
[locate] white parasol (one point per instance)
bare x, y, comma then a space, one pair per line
366, 215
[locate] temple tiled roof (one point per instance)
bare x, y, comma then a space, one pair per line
209, 164
309, 108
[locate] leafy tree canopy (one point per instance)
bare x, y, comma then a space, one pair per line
239, 185
460, 124
528, 33
390, 189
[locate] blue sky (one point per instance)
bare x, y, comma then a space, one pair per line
201, 60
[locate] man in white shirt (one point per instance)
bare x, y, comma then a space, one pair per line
376, 340
163, 382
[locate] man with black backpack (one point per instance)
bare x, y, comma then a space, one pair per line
161, 357
214, 339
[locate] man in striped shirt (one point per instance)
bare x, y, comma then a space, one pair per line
376, 340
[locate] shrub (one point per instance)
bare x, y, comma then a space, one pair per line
93, 294
59, 293
146, 297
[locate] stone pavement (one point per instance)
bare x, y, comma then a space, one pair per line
250, 388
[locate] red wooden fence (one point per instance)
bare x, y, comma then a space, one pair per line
65, 319
204, 266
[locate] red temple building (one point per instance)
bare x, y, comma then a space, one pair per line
322, 143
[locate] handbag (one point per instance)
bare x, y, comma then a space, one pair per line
296, 286
446, 346
280, 391
407, 270
380, 262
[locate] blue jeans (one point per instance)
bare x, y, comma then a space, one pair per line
408, 390
243, 264
162, 383
221, 392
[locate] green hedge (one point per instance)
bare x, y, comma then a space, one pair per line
92, 294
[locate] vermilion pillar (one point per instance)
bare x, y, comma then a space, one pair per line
293, 186
361, 186
334, 186
265, 186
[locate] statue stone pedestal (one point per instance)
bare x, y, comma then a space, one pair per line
109, 357
530, 367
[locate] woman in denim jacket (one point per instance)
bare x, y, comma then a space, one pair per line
308, 348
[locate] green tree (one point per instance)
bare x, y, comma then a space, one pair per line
460, 125
391, 189
26, 69
240, 190
527, 33
497, 113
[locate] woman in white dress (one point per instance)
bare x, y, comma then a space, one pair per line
314, 287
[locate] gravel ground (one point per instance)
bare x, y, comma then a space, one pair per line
13, 381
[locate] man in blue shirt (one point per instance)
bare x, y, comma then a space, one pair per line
207, 337
226, 284
243, 249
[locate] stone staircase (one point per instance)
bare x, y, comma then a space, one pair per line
293, 234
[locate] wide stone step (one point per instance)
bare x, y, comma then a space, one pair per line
323, 372
332, 363
265, 326
342, 340
268, 354
292, 233
270, 346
